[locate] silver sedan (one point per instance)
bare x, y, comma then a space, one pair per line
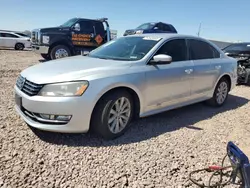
126, 78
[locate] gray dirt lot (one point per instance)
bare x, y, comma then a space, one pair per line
157, 151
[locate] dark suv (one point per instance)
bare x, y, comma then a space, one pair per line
152, 27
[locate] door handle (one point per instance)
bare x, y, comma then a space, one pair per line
188, 71
217, 67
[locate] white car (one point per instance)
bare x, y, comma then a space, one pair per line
13, 40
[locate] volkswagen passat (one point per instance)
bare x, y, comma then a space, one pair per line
132, 76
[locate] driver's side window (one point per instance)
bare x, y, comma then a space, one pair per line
86, 26
176, 48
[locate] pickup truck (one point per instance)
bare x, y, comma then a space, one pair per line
76, 36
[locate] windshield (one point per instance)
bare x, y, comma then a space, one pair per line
146, 26
69, 23
125, 48
238, 47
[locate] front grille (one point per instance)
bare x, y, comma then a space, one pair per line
35, 37
28, 87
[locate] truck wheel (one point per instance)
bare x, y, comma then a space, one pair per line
60, 51
19, 46
45, 56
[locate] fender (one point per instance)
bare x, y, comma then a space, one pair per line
118, 85
225, 74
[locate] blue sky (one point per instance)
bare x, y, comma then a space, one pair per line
221, 19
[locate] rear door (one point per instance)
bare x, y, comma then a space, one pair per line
99, 31
206, 66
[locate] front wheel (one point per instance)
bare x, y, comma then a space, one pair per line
59, 51
113, 114
220, 94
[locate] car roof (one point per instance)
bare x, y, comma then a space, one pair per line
166, 36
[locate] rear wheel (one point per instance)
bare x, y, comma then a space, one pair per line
220, 94
113, 114
59, 51
19, 46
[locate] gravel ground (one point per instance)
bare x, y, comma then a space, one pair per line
158, 151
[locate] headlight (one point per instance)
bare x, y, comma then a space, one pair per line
139, 32
64, 89
45, 39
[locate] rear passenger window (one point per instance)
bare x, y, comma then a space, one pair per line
176, 48
166, 28
9, 35
201, 50
216, 53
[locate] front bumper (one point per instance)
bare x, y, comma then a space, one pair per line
40, 49
79, 107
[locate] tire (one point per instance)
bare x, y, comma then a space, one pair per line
223, 84
19, 46
45, 56
102, 113
64, 49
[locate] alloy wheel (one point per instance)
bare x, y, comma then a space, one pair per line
222, 91
119, 115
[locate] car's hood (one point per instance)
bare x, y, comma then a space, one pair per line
72, 68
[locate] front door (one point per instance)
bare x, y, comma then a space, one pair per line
86, 36
169, 84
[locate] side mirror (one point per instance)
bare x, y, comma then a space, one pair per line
77, 27
161, 59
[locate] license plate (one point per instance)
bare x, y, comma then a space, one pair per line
18, 100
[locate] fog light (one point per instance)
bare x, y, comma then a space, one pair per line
63, 118
55, 117
45, 116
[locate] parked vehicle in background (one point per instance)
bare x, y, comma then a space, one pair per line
129, 77
22, 34
13, 40
71, 38
241, 52
152, 27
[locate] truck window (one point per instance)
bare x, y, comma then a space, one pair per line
166, 27
99, 28
160, 26
86, 26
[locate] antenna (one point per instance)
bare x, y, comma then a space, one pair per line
199, 30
